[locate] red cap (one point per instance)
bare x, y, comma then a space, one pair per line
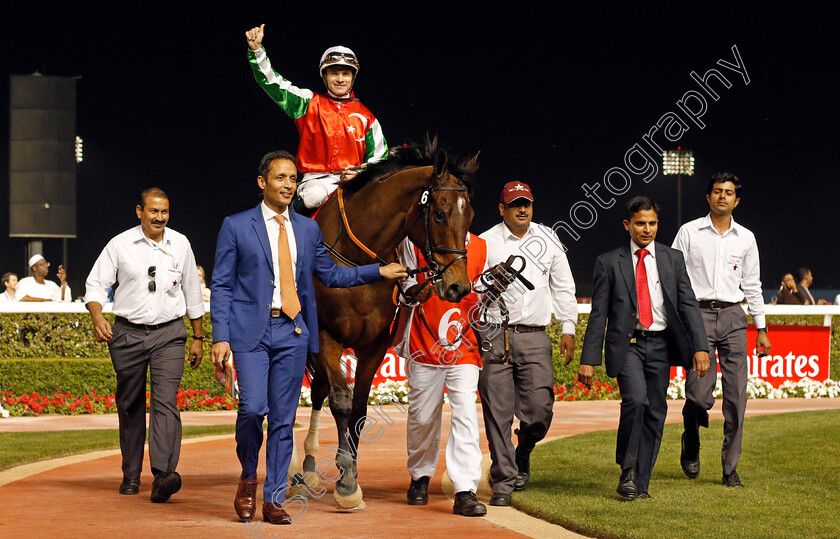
513, 190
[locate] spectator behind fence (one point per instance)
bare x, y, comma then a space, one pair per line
790, 294
10, 281
805, 279
205, 292
37, 288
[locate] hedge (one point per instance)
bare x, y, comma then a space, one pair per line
42, 352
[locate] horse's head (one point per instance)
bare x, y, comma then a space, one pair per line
441, 230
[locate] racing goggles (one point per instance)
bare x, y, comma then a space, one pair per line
337, 57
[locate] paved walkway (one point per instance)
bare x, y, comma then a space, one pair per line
77, 496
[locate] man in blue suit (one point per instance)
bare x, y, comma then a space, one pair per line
642, 296
263, 310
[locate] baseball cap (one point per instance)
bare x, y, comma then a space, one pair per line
35, 259
513, 190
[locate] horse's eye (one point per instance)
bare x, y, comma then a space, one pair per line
440, 216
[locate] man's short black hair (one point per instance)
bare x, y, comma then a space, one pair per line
155, 192
801, 273
7, 277
640, 203
723, 177
265, 162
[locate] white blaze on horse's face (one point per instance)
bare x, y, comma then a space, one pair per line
462, 204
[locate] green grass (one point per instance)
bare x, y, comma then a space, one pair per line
18, 448
789, 466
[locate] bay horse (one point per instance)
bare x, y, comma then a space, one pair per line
416, 193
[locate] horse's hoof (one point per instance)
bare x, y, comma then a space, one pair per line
353, 501
299, 491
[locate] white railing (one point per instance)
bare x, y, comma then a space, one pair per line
827, 311
55, 307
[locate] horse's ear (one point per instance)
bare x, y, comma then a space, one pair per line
441, 162
472, 164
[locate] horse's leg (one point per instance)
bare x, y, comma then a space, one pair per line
347, 494
368, 361
320, 388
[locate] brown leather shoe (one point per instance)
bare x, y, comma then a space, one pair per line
245, 502
275, 515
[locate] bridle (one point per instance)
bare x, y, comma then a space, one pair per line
429, 246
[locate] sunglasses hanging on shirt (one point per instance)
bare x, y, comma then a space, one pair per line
152, 283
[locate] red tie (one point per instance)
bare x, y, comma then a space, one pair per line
642, 292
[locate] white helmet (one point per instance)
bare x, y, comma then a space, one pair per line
339, 56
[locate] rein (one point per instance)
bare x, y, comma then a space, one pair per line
429, 246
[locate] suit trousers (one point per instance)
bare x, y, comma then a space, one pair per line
726, 330
270, 378
643, 381
463, 455
523, 387
160, 351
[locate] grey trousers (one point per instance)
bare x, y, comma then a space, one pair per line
726, 330
524, 387
161, 352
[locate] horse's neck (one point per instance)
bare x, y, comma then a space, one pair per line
381, 214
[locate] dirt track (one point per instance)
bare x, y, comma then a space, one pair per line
81, 500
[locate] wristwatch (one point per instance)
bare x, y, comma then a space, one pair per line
198, 337
762, 330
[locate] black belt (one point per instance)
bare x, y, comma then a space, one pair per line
715, 304
520, 328
647, 333
122, 320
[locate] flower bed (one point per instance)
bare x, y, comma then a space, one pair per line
759, 389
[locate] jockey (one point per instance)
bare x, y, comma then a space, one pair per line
337, 132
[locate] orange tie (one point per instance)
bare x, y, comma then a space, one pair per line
288, 292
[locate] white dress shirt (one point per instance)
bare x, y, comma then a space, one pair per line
28, 286
273, 229
546, 267
5, 298
657, 298
722, 267
127, 258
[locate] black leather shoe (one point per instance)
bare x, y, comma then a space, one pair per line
627, 484
418, 492
130, 486
466, 504
644, 496
689, 459
732, 480
165, 486
523, 463
500, 500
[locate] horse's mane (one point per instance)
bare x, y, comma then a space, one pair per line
410, 156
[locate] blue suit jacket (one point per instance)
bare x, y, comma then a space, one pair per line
243, 278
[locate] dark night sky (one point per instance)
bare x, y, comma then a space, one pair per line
167, 98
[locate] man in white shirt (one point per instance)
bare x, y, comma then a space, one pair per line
37, 288
518, 373
722, 261
158, 284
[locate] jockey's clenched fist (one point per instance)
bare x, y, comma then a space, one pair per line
255, 36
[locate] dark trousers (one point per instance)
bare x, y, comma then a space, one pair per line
726, 330
270, 377
524, 387
161, 352
643, 381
